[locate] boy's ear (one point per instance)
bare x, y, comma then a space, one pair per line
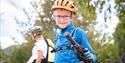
73, 16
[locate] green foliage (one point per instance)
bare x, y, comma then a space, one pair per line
2, 56
17, 54
20, 54
121, 9
87, 11
108, 53
119, 34
45, 20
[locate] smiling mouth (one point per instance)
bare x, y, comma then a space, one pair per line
62, 22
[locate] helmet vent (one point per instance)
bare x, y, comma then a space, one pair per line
72, 7
57, 3
62, 2
66, 3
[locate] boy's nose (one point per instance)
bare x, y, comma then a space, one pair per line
61, 19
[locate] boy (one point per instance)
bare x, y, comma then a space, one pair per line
63, 13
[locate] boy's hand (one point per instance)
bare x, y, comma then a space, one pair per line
88, 55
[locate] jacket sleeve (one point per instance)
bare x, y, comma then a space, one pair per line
83, 41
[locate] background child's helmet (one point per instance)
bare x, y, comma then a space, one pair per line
36, 30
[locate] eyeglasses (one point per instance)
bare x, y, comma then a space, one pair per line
64, 17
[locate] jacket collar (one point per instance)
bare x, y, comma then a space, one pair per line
68, 28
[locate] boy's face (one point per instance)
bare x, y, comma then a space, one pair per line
62, 17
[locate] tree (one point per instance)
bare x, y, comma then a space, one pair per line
119, 34
44, 19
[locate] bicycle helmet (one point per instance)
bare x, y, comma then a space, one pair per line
36, 30
64, 4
